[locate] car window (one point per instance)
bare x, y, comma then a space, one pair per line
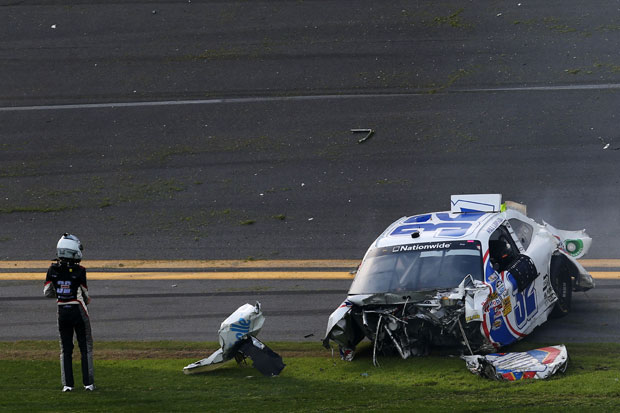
502, 249
418, 267
523, 231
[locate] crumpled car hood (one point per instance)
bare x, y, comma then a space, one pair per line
393, 298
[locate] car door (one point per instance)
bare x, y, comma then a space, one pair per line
512, 306
539, 246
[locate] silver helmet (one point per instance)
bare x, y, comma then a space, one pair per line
69, 247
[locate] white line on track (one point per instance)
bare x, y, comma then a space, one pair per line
190, 102
219, 101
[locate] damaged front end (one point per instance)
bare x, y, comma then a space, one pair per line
410, 297
410, 324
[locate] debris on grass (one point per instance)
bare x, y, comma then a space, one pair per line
237, 337
540, 363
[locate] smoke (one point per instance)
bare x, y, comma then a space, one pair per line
600, 218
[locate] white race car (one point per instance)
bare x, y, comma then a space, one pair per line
478, 277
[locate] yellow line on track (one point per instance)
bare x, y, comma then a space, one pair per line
606, 263
605, 275
227, 275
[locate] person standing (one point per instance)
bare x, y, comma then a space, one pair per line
66, 281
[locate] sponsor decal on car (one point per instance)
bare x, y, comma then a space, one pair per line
495, 224
420, 247
507, 306
499, 285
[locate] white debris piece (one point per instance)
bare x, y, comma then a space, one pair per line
539, 363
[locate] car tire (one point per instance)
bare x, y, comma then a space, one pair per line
562, 286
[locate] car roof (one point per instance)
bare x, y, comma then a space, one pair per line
441, 226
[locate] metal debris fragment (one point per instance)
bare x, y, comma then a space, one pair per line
539, 363
237, 339
369, 133
607, 145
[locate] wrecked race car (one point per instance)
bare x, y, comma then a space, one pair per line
478, 277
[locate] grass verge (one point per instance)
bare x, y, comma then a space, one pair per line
147, 376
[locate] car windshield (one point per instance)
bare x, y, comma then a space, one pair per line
418, 267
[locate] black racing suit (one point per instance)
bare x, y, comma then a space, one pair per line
66, 281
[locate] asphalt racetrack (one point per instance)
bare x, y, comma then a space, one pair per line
216, 130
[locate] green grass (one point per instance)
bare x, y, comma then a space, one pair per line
128, 380
452, 20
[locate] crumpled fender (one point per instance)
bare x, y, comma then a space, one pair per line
474, 304
337, 325
575, 244
583, 279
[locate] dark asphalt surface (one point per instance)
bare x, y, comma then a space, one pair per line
177, 310
294, 310
500, 97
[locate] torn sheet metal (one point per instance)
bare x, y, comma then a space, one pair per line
540, 363
264, 359
237, 337
575, 243
340, 329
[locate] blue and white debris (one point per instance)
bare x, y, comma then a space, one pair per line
237, 337
540, 363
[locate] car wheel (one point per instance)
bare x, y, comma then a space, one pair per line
562, 286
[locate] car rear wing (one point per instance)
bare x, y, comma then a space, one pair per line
475, 203
483, 203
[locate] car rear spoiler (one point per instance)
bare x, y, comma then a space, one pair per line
476, 203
